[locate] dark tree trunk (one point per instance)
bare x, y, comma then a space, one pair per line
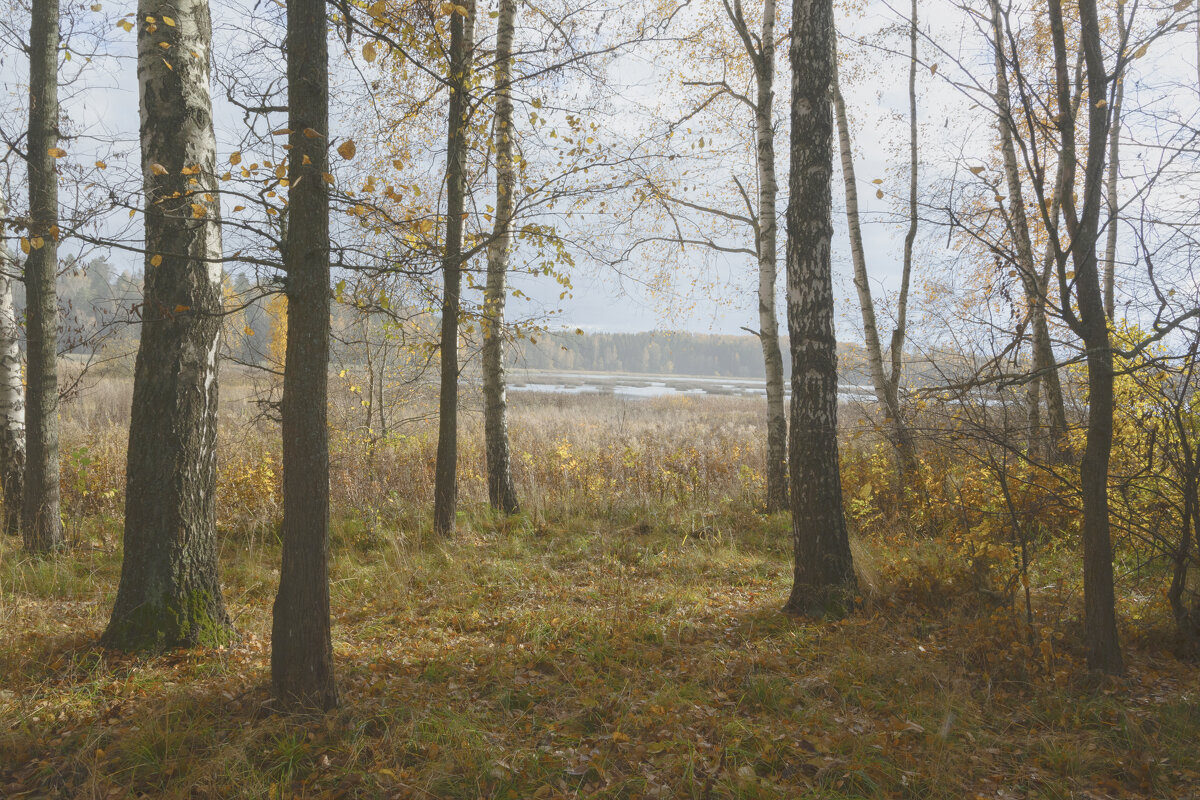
301, 644
40, 520
445, 489
502, 493
824, 568
1091, 323
12, 395
170, 593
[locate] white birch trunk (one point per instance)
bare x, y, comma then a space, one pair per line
12, 394
502, 492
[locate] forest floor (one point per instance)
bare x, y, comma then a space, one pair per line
586, 657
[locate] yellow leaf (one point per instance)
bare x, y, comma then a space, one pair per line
24, 245
125, 25
155, 260
235, 157
168, 63
132, 211
976, 170
877, 181
96, 6
328, 178
368, 51
169, 22
164, 45
239, 208
1141, 51
281, 171
181, 309
157, 169
248, 330
933, 69
282, 132
198, 210
37, 242
56, 152
879, 193
309, 133
347, 149
101, 165
306, 159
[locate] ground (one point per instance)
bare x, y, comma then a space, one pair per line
586, 657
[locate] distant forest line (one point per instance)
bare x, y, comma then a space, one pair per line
665, 353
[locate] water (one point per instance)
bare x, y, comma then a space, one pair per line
645, 386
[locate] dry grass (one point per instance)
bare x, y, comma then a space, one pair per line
620, 638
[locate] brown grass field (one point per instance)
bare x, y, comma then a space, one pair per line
621, 637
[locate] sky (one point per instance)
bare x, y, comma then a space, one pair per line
103, 106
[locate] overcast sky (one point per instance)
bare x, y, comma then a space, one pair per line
103, 107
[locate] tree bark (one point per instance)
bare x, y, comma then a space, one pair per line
1044, 362
908, 457
886, 388
41, 523
445, 491
302, 676
170, 593
502, 493
1114, 173
12, 395
1091, 323
824, 580
767, 248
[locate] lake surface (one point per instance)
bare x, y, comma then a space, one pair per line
635, 386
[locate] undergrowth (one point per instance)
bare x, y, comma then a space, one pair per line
620, 638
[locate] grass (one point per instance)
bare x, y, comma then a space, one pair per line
571, 658
620, 638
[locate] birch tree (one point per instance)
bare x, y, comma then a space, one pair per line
761, 52
41, 524
170, 593
1034, 280
12, 396
727, 98
824, 580
502, 493
885, 384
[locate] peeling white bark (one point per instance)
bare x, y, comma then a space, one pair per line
12, 394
